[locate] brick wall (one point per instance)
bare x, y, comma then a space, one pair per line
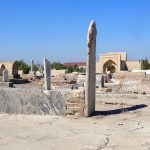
129, 75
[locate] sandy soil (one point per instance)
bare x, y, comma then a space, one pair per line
118, 124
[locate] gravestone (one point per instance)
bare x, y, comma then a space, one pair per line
90, 84
40, 69
47, 74
108, 76
102, 81
31, 73
5, 75
32, 64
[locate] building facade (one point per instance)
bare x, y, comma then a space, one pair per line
115, 62
11, 66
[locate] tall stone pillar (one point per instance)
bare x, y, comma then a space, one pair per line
5, 75
90, 84
32, 64
47, 74
102, 82
119, 63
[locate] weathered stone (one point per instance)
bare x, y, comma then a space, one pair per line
102, 82
31, 75
38, 73
81, 80
5, 75
90, 70
6, 84
20, 72
108, 90
47, 74
40, 69
74, 111
75, 102
32, 101
19, 81
108, 76
32, 64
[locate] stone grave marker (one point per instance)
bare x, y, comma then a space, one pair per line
102, 81
90, 84
47, 74
5, 75
32, 64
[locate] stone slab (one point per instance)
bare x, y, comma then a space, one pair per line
47, 74
90, 84
6, 84
19, 81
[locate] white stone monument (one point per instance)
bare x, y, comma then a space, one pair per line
32, 64
47, 74
90, 84
5, 75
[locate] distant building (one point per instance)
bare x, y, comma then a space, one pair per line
115, 62
11, 66
78, 64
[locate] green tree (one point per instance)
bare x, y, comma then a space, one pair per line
145, 64
35, 68
82, 70
57, 66
75, 68
23, 66
70, 69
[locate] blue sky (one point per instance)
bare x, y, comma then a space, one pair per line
57, 29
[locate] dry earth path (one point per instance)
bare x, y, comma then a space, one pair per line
118, 124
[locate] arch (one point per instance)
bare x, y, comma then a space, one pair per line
109, 65
11, 66
112, 69
15, 68
2, 68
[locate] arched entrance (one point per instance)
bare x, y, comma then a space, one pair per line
109, 66
2, 68
15, 69
112, 69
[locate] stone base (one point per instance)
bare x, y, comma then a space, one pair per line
31, 72
19, 81
6, 84
31, 76
75, 103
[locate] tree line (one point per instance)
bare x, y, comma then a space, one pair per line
145, 64
22, 65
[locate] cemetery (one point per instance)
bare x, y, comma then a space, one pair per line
75, 105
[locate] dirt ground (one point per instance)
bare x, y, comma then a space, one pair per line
118, 124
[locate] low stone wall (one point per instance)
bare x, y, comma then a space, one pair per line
81, 79
130, 75
32, 101
55, 72
28, 101
75, 103
130, 96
